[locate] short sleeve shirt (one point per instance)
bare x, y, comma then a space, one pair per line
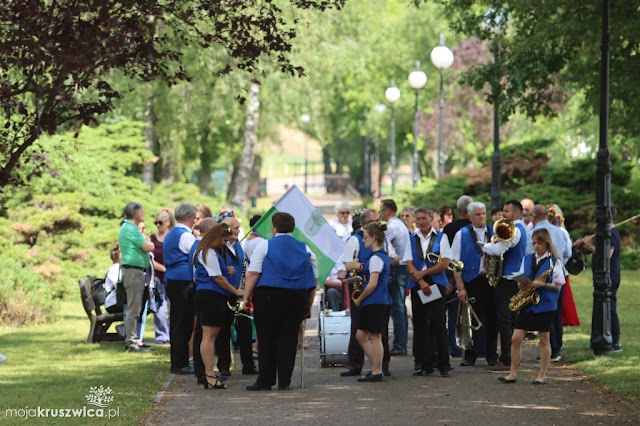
131, 241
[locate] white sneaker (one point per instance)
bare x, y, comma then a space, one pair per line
556, 358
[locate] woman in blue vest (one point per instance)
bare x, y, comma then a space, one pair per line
212, 293
374, 301
547, 276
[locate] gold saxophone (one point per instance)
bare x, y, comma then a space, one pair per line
529, 294
357, 284
465, 325
503, 230
454, 265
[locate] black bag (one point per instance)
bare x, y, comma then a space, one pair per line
98, 290
155, 297
575, 264
121, 293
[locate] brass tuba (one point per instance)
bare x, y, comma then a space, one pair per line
503, 230
454, 265
465, 325
529, 295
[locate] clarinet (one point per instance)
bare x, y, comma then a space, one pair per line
239, 308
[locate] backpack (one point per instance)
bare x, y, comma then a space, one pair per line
98, 290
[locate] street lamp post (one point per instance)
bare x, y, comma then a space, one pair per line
495, 159
442, 58
305, 119
393, 94
379, 109
417, 80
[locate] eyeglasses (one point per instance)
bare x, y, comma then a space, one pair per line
159, 222
347, 212
406, 215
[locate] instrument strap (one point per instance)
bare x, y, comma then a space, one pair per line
475, 237
535, 266
432, 241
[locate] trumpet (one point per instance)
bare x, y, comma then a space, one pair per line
454, 265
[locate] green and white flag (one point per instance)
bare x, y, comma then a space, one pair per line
311, 228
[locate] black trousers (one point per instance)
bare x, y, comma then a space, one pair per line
223, 341
480, 289
355, 354
198, 364
181, 322
278, 314
504, 319
430, 338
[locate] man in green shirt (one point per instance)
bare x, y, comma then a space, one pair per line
135, 260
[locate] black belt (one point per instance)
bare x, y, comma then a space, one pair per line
134, 267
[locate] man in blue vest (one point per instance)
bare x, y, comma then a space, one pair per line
429, 330
284, 273
513, 252
472, 281
134, 248
179, 276
234, 257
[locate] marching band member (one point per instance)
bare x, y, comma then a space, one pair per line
355, 246
513, 252
212, 294
472, 281
545, 271
284, 273
234, 257
374, 301
428, 318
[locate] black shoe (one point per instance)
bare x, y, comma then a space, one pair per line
257, 387
350, 372
445, 373
386, 373
397, 352
491, 362
468, 363
284, 388
183, 370
505, 380
370, 378
249, 371
136, 348
225, 373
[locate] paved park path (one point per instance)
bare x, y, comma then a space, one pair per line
470, 396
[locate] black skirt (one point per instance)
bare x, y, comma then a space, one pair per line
211, 308
534, 321
374, 318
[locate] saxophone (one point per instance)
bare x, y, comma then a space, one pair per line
503, 230
529, 295
357, 284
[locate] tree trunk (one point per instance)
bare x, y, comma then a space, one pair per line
239, 186
204, 174
147, 170
326, 160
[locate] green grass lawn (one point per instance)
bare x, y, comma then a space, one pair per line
51, 366
620, 371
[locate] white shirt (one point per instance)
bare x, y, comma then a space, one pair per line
353, 246
344, 230
445, 250
186, 239
558, 270
261, 250
376, 264
110, 281
456, 246
212, 266
398, 235
250, 245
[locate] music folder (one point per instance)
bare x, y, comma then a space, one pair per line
522, 279
435, 294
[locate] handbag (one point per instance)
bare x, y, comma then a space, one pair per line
121, 293
575, 264
155, 297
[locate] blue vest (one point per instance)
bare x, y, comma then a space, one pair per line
439, 278
176, 262
203, 279
548, 298
237, 263
512, 259
470, 253
287, 265
380, 295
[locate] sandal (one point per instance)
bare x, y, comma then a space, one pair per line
218, 384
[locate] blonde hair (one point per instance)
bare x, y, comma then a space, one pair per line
544, 236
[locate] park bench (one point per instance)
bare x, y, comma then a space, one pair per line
99, 321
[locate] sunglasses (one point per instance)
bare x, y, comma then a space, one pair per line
159, 222
347, 212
